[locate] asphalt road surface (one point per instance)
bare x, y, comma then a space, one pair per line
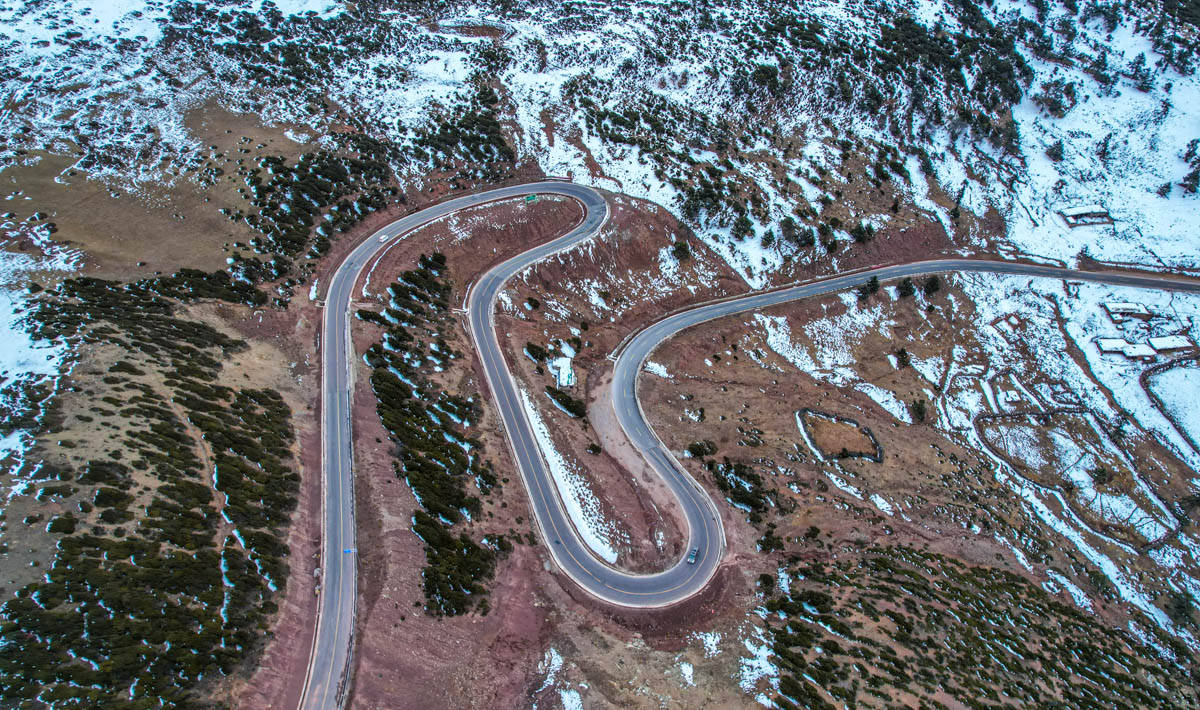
706, 533
569, 550
330, 660
329, 663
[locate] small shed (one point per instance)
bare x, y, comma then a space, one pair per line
1111, 345
1120, 311
1171, 343
1085, 215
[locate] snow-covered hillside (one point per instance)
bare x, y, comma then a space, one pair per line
739, 107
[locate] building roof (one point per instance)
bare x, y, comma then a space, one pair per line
1084, 210
1170, 342
1111, 345
1139, 350
1120, 307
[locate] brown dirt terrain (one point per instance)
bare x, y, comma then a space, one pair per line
1028, 445
495, 658
277, 676
491, 655
471, 29
616, 284
91, 427
282, 356
579, 287
685, 656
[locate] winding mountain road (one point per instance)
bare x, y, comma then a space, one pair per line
331, 652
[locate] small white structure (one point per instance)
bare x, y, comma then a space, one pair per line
1085, 215
1111, 345
1133, 351
1120, 312
1170, 343
1140, 351
1011, 397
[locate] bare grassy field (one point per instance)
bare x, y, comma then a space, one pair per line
128, 233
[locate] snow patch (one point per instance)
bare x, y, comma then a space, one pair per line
655, 368
581, 503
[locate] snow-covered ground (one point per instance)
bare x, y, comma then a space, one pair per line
1121, 147
710, 640
1085, 320
888, 401
1177, 388
24, 361
832, 359
758, 664
101, 64
1122, 144
655, 368
1123, 140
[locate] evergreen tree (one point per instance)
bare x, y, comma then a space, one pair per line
918, 410
1055, 152
681, 250
742, 227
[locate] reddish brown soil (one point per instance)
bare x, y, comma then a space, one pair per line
895, 243
400, 651
938, 489
278, 677
736, 393
472, 30
491, 661
667, 629
405, 658
624, 262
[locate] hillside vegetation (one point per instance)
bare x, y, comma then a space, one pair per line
791, 139
434, 453
169, 550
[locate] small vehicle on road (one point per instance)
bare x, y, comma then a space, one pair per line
692, 555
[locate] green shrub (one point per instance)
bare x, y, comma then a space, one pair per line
572, 406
